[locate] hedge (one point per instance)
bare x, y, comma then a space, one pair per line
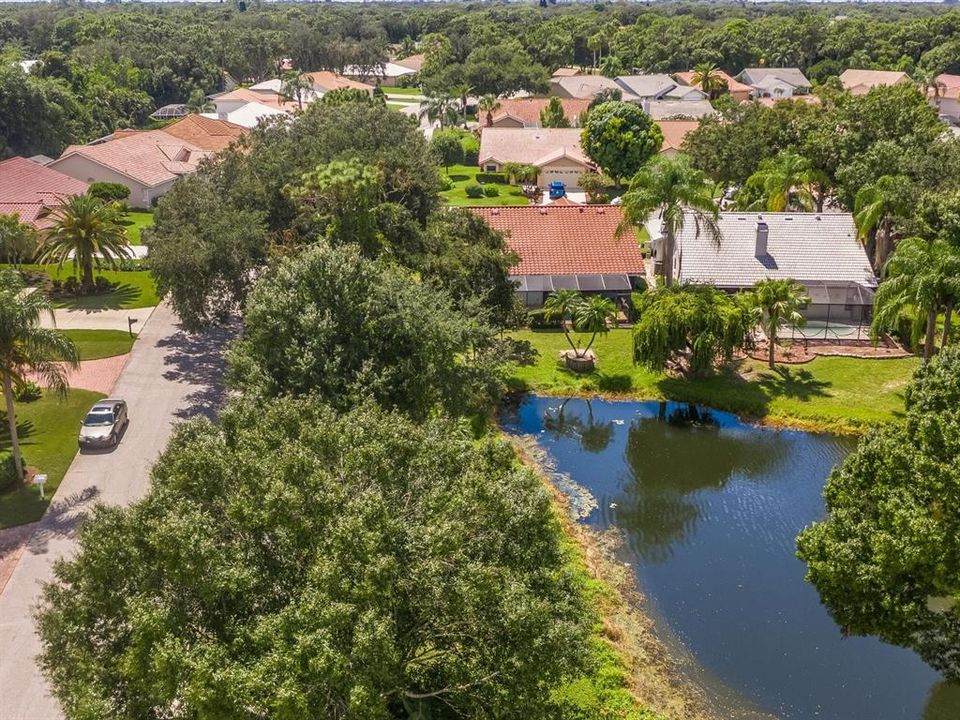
500, 178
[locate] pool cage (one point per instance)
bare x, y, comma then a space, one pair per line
836, 311
534, 289
170, 112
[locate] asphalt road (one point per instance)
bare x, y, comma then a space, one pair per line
171, 376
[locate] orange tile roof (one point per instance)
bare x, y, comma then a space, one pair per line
566, 239
331, 81
527, 110
733, 85
27, 188
860, 82
205, 133
675, 132
531, 146
949, 86
414, 62
265, 98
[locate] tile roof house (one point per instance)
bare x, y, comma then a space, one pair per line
247, 115
388, 74
738, 91
674, 134
586, 87
946, 96
692, 109
525, 112
147, 162
27, 189
652, 86
567, 72
325, 81
820, 250
206, 133
775, 82
414, 62
567, 247
555, 151
268, 94
860, 82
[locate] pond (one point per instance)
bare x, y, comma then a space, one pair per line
710, 507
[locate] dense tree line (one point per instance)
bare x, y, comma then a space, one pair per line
110, 66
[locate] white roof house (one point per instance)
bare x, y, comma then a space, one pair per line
808, 247
390, 70
247, 115
776, 77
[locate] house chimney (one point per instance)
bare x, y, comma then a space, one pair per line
763, 233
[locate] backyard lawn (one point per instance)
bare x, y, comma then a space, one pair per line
135, 289
48, 438
97, 344
135, 222
388, 91
838, 394
457, 196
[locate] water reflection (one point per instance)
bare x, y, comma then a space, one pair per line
711, 507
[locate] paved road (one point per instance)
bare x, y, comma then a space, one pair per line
170, 376
98, 320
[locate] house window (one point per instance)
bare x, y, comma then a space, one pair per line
491, 168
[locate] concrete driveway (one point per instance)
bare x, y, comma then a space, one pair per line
170, 376
99, 320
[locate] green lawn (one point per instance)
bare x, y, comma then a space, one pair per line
457, 196
838, 394
135, 289
397, 106
48, 437
388, 91
135, 222
96, 344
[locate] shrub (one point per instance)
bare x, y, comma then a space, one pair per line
8, 470
491, 190
109, 191
500, 178
598, 199
473, 189
102, 285
445, 183
28, 392
56, 285
471, 150
537, 319
71, 285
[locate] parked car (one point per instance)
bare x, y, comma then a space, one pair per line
103, 424
557, 190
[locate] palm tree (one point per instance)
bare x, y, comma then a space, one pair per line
875, 210
18, 241
708, 77
199, 103
921, 277
85, 230
461, 91
488, 105
595, 44
927, 80
296, 85
439, 107
779, 301
561, 305
25, 347
779, 184
677, 191
594, 315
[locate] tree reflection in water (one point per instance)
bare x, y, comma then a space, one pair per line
674, 456
593, 436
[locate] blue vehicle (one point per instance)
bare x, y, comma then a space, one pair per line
557, 190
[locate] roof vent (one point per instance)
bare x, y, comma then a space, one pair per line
580, 210
763, 234
495, 211
601, 211
543, 211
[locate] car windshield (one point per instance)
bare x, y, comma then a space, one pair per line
98, 417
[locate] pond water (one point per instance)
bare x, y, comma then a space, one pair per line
710, 508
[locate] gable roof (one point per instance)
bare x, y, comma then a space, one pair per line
27, 188
661, 109
792, 76
387, 70
566, 239
733, 85
675, 132
248, 114
211, 134
646, 86
530, 146
527, 110
808, 247
567, 72
588, 86
270, 99
860, 82
151, 158
414, 62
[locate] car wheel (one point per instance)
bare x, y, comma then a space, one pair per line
114, 439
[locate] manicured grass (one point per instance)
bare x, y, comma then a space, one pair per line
388, 91
135, 289
48, 430
457, 196
838, 394
97, 344
398, 106
135, 222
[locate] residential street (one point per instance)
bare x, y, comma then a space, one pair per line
170, 376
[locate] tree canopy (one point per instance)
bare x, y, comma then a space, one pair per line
885, 560
620, 137
296, 562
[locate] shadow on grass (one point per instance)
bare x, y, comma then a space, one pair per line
723, 390
117, 299
792, 383
458, 178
